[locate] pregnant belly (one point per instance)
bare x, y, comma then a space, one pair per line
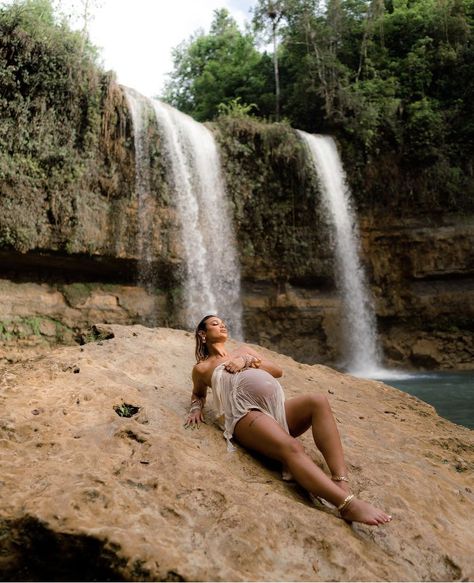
257, 383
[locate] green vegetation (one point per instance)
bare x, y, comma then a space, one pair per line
393, 80
235, 108
273, 191
215, 69
126, 410
54, 128
29, 326
48, 78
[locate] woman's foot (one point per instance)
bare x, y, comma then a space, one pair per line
360, 511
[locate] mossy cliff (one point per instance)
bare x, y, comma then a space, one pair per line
69, 226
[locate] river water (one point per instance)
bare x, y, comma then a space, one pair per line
450, 393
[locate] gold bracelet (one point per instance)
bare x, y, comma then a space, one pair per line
345, 503
339, 478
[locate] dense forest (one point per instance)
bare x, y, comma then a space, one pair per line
394, 76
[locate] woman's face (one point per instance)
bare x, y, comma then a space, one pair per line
216, 330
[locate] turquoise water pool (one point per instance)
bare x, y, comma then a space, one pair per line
450, 393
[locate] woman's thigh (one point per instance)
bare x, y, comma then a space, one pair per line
299, 413
262, 433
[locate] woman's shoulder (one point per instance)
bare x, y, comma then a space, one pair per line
201, 367
202, 373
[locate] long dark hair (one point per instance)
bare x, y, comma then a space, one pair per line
202, 351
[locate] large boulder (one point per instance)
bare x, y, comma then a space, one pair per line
89, 493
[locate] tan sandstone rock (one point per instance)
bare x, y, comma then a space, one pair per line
86, 494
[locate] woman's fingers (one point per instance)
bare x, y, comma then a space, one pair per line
233, 366
194, 421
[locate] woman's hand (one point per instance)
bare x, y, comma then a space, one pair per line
195, 414
194, 419
235, 365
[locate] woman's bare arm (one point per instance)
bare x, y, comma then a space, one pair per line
199, 384
198, 398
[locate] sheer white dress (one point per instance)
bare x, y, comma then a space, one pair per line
234, 395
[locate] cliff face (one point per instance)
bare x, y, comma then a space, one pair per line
422, 272
112, 492
70, 254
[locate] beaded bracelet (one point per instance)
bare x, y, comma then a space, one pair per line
195, 405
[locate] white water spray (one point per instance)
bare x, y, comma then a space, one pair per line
141, 113
213, 272
363, 355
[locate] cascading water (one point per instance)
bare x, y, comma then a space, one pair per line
213, 273
363, 355
141, 113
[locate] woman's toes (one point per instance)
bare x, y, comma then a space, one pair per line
360, 511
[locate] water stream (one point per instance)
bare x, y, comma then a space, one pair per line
212, 279
212, 283
362, 354
140, 111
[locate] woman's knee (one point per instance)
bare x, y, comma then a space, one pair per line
290, 447
319, 401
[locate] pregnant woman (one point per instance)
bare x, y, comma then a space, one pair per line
251, 402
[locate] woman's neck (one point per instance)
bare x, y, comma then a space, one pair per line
218, 350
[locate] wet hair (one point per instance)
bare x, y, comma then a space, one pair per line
202, 351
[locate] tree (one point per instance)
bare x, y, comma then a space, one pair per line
216, 68
271, 12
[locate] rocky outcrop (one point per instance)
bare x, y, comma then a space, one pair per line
114, 488
39, 316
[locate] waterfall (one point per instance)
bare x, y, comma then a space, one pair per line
212, 283
363, 355
141, 113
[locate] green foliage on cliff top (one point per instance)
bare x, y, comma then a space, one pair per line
214, 69
393, 80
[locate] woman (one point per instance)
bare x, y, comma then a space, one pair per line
246, 393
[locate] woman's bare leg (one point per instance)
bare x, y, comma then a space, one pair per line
314, 411
261, 433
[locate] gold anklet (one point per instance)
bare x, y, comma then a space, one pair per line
347, 500
339, 478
